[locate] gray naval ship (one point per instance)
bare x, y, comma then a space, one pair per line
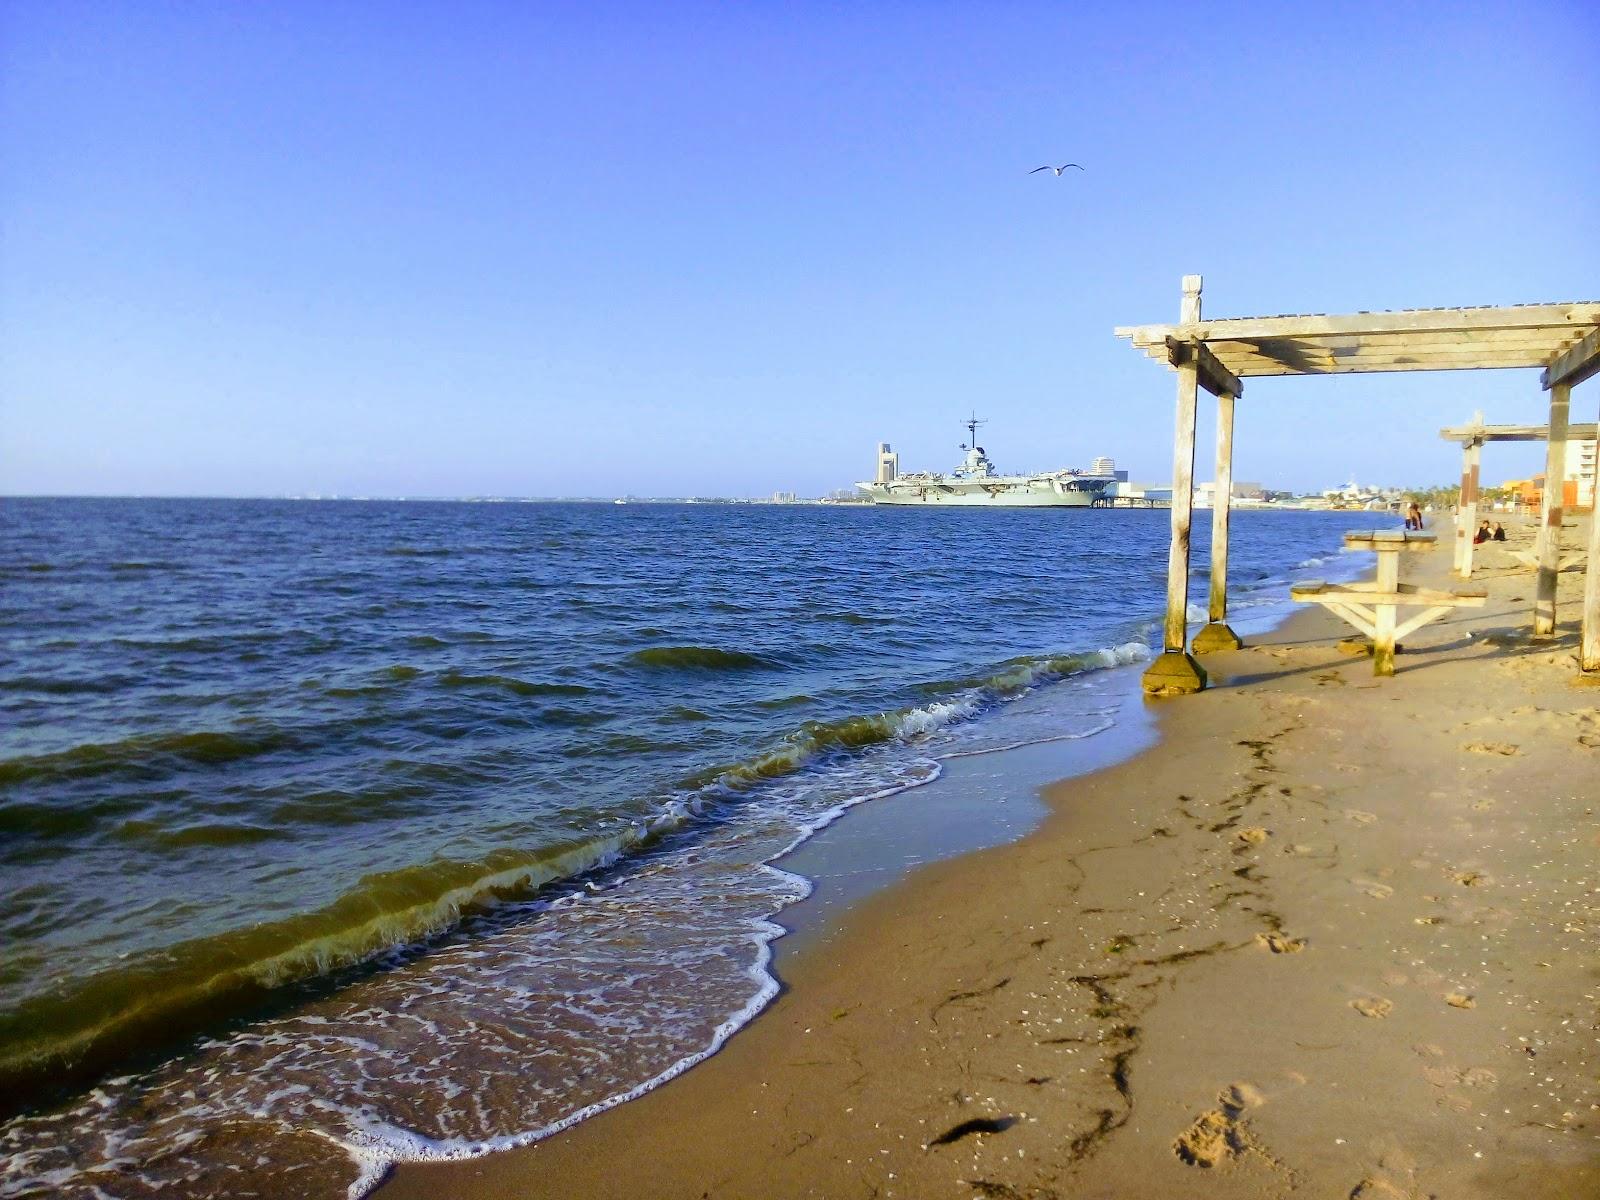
976, 483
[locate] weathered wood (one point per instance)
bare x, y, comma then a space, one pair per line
1549, 541
1175, 671
1214, 377
1515, 433
1467, 509
1386, 539
1221, 508
1408, 627
1256, 364
1401, 594
1589, 646
1566, 562
1575, 316
1177, 628
1373, 607
1383, 622
1576, 364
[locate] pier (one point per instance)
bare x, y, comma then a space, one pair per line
1562, 339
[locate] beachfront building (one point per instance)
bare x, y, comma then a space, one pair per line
1563, 339
1474, 436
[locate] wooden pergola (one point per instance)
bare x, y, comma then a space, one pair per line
1562, 339
1472, 437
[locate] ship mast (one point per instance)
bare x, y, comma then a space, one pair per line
972, 424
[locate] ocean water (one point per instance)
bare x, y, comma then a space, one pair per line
344, 832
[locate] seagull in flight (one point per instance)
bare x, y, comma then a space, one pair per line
1057, 170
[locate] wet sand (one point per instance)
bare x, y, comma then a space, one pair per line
1332, 935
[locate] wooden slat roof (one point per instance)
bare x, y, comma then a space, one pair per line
1417, 339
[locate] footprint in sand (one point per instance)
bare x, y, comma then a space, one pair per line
1376, 1189
1220, 1134
1360, 816
1460, 1000
1480, 1078
1483, 806
1469, 878
1299, 848
1280, 943
1504, 749
1378, 891
1375, 1007
1252, 837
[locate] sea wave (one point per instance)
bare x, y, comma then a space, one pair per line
80, 1031
510, 683
144, 753
698, 658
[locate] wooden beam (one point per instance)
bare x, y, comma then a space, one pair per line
1549, 541
1214, 377
1577, 364
1515, 433
1248, 363
1522, 316
1553, 340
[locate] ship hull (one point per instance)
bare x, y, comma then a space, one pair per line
990, 494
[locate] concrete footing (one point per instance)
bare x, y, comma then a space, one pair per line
1215, 636
1173, 673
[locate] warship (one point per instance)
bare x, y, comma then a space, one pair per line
976, 483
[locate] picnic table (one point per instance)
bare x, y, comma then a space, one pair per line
1373, 608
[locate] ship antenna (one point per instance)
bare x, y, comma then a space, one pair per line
972, 424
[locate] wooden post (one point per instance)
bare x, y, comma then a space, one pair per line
1388, 582
1467, 510
1216, 635
1175, 672
1589, 649
1549, 543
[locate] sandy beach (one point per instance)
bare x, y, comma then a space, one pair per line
1332, 936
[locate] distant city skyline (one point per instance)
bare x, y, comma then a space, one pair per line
691, 250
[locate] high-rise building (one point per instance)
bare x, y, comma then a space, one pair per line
888, 464
1580, 470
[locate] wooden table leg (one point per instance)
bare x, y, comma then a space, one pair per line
1383, 614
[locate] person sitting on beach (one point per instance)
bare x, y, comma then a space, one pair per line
1499, 532
1483, 534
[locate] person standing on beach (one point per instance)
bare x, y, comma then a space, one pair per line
1413, 516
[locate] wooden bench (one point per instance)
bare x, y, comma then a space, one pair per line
1373, 607
1531, 558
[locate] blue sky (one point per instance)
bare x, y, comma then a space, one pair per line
724, 249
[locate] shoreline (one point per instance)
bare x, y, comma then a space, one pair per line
917, 1023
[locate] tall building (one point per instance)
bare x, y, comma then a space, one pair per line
888, 464
1580, 470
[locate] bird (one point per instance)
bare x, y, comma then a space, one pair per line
1057, 170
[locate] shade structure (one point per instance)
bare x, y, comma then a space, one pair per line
1562, 340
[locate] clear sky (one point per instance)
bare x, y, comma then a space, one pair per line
589, 248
